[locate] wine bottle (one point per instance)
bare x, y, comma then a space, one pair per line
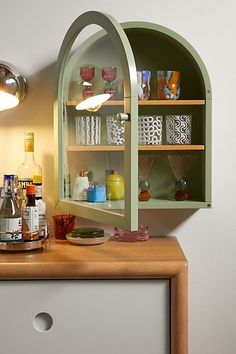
10, 214
29, 167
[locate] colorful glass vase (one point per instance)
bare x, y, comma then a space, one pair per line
143, 79
168, 85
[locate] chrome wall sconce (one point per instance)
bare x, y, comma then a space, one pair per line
13, 86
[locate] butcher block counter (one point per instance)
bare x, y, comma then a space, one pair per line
156, 258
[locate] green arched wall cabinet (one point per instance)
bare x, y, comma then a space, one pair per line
131, 46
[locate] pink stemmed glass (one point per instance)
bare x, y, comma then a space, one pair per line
109, 74
87, 74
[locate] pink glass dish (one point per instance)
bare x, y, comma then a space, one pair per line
130, 236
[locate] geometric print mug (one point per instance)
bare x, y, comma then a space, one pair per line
178, 129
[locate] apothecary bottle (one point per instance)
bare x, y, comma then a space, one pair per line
29, 167
10, 214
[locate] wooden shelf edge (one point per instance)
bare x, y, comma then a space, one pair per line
170, 147
140, 148
150, 103
171, 102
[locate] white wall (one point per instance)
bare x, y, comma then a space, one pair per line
31, 35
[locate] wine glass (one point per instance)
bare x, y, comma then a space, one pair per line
109, 74
180, 165
87, 74
145, 165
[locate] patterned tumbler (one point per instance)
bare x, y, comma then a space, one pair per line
178, 129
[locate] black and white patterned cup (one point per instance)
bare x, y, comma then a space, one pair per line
150, 130
178, 129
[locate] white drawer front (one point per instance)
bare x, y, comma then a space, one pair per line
89, 317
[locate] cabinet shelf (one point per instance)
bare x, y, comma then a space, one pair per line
151, 204
150, 103
75, 148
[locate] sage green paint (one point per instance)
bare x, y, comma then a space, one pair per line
112, 27
130, 219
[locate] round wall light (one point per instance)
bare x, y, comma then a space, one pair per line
13, 86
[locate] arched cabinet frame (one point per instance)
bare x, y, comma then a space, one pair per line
150, 46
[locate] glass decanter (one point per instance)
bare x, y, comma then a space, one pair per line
180, 165
109, 74
87, 74
145, 165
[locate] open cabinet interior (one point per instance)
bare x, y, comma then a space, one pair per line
164, 164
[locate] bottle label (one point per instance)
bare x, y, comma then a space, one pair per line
31, 217
38, 191
37, 179
43, 227
29, 142
11, 229
24, 181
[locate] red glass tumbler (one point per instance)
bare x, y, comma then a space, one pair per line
63, 225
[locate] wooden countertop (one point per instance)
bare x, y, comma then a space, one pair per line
155, 258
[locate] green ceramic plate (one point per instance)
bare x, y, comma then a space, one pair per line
87, 232
87, 241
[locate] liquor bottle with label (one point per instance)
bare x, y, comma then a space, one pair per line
43, 226
29, 167
10, 214
30, 215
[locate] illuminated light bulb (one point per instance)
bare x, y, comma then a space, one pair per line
7, 101
93, 103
